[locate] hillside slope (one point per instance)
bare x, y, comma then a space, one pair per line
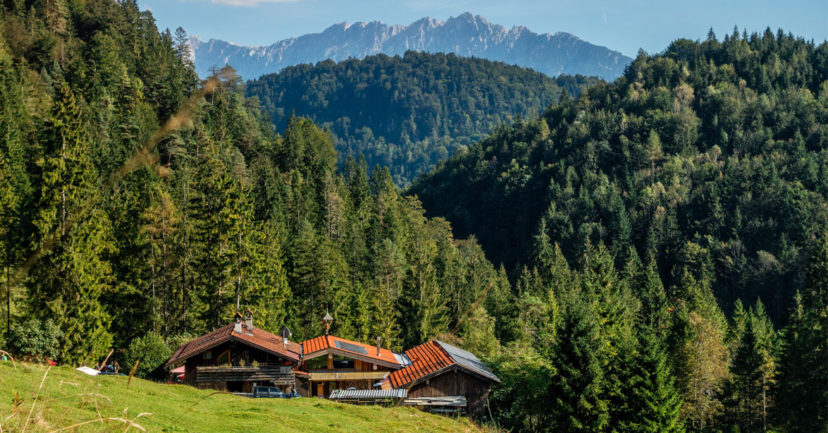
407, 113
465, 35
69, 398
712, 154
112, 228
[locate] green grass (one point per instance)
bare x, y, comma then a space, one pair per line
69, 397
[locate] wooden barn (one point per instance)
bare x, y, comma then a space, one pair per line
237, 357
330, 363
439, 369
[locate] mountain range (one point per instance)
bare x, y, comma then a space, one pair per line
466, 35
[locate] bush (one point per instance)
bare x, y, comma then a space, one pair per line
35, 339
152, 352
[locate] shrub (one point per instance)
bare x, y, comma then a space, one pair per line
35, 339
152, 352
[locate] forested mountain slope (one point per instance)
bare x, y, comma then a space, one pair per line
407, 113
110, 237
712, 153
702, 172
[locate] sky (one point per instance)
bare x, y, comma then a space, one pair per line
622, 25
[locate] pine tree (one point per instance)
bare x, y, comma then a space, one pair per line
74, 274
161, 220
699, 354
389, 270
652, 403
754, 370
616, 308
478, 333
578, 391
654, 306
265, 287
802, 396
302, 257
15, 186
533, 323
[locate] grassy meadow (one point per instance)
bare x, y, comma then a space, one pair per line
63, 399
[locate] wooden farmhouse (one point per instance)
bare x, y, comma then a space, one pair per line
439, 369
331, 363
238, 357
336, 363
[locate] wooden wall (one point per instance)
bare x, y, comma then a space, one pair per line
456, 382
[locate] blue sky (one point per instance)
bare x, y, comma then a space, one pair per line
625, 25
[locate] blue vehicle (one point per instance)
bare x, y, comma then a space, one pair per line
268, 392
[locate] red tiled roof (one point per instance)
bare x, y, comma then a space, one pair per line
426, 359
258, 338
432, 357
328, 344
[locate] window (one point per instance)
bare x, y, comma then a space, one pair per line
224, 358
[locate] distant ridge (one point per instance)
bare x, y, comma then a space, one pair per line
465, 35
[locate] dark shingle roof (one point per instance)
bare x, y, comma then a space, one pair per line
258, 338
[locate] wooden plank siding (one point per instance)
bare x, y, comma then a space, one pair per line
279, 375
456, 382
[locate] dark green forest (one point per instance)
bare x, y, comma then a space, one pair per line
651, 256
223, 214
407, 113
713, 154
701, 175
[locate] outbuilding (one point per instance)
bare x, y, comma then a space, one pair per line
439, 369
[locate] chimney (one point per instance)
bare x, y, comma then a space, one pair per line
379, 341
285, 332
248, 320
238, 326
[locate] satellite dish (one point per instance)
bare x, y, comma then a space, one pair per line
285, 332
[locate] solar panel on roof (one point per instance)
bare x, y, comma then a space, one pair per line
350, 347
468, 360
402, 359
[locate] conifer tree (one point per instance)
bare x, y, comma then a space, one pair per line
265, 287
15, 185
304, 281
74, 274
652, 403
389, 270
616, 308
578, 393
802, 397
533, 323
754, 371
699, 354
654, 306
161, 220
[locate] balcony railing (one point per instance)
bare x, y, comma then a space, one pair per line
280, 374
346, 374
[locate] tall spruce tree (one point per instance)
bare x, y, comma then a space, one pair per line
578, 392
74, 274
652, 403
802, 397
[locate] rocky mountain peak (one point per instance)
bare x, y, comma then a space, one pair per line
465, 35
